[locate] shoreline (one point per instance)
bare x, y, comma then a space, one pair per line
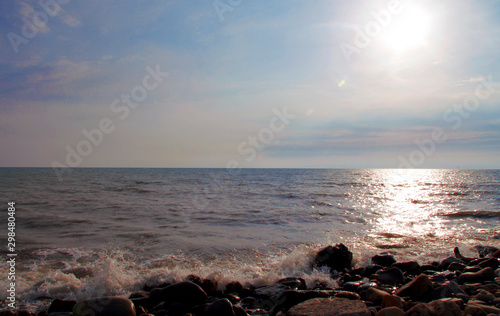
384, 287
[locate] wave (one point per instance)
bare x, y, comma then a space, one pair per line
473, 214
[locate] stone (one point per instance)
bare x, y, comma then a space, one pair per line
392, 301
209, 286
480, 309
491, 262
105, 306
390, 311
446, 307
457, 266
186, 293
474, 310
484, 296
370, 269
449, 289
61, 306
376, 296
421, 309
336, 257
222, 307
293, 283
330, 307
486, 274
484, 251
233, 287
384, 259
410, 267
391, 276
238, 311
446, 262
417, 288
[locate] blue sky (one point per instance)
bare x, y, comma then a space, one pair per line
361, 83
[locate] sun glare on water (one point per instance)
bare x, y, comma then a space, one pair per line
408, 30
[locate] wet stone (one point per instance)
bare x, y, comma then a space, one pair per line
384, 259
105, 306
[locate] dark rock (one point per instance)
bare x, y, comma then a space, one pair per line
429, 269
177, 309
472, 269
194, 278
476, 262
185, 293
370, 269
375, 295
145, 302
485, 251
233, 287
293, 283
446, 262
410, 267
484, 296
140, 310
138, 294
336, 257
7, 313
390, 311
391, 276
417, 288
329, 307
267, 291
61, 306
352, 286
384, 259
480, 309
449, 289
457, 266
222, 307
238, 311
209, 286
443, 277
486, 274
105, 306
492, 263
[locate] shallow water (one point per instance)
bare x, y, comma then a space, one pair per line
109, 231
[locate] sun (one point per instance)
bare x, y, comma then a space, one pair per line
408, 30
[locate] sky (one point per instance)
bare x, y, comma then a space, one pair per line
253, 84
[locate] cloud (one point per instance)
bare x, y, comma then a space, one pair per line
29, 12
69, 20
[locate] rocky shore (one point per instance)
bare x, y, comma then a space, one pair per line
457, 285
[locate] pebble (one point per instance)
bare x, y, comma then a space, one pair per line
391, 276
486, 274
484, 296
222, 307
185, 293
390, 311
105, 306
384, 259
417, 288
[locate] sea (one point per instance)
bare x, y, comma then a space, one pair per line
112, 231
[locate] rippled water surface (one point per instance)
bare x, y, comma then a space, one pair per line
257, 224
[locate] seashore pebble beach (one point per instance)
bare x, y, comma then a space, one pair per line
457, 285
